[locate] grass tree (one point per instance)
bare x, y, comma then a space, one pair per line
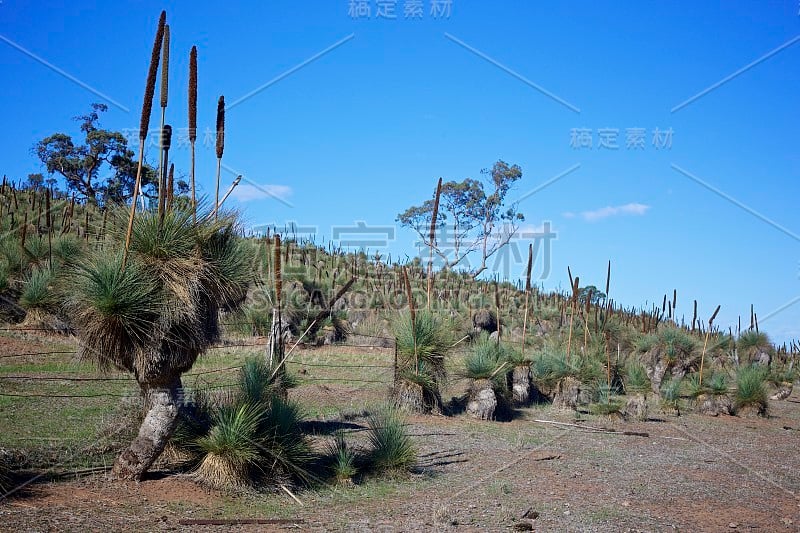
486, 366
754, 347
423, 341
751, 391
154, 317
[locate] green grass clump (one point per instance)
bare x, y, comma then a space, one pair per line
246, 439
606, 404
390, 446
636, 380
37, 291
718, 384
751, 388
671, 392
486, 359
551, 367
693, 386
342, 459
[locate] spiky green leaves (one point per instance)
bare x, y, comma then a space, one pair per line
391, 447
751, 388
117, 310
37, 292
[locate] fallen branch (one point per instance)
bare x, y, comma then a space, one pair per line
596, 429
236, 521
295, 498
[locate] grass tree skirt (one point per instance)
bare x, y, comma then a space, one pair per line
714, 404
482, 400
521, 384
752, 411
159, 423
409, 397
636, 408
568, 394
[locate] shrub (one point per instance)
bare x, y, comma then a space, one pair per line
636, 378
390, 446
671, 392
550, 368
605, 405
248, 438
421, 349
751, 390
718, 384
486, 359
341, 458
37, 292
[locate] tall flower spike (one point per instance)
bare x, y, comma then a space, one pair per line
165, 67
220, 126
150, 87
193, 94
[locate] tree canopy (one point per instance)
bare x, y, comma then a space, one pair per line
473, 216
81, 163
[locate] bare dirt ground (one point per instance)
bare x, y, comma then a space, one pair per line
691, 474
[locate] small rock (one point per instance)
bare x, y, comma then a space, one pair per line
733, 525
523, 526
567, 513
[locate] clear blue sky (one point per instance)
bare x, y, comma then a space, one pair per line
364, 130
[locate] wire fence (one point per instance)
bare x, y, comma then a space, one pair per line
360, 359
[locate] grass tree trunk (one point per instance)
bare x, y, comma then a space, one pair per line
636, 408
410, 397
482, 400
521, 384
163, 404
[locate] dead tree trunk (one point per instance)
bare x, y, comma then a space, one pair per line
163, 403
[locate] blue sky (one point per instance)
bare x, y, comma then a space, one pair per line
363, 130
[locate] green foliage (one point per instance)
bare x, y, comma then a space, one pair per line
68, 249
119, 308
248, 438
81, 164
15, 259
718, 384
37, 292
551, 367
645, 343
390, 446
671, 392
158, 314
475, 212
750, 343
751, 389
678, 344
606, 404
636, 379
423, 346
486, 360
693, 386
36, 249
341, 458
778, 376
